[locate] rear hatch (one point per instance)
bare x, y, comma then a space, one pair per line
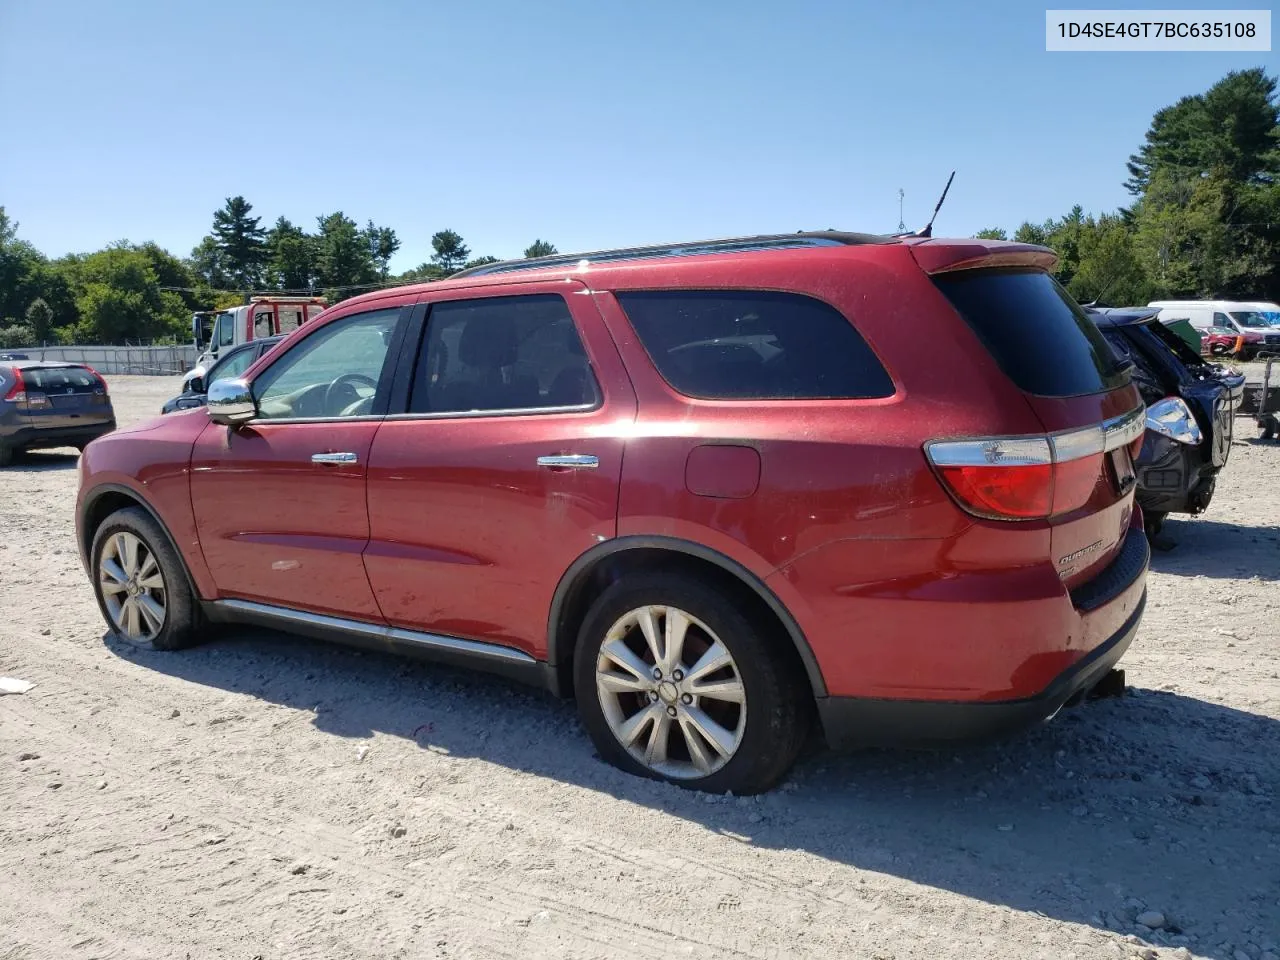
64, 397
1071, 380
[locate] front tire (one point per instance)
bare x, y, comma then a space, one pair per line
141, 584
676, 682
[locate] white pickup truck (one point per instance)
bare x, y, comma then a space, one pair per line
264, 316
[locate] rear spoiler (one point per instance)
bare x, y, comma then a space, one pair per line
946, 256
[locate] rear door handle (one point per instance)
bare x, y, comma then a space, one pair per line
334, 458
580, 461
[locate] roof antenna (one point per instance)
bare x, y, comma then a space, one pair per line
927, 229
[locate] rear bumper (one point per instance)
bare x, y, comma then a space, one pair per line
33, 437
1118, 591
857, 722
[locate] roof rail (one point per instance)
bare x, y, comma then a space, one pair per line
778, 241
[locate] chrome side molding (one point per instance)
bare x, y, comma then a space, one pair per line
471, 653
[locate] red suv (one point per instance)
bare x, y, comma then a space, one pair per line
711, 490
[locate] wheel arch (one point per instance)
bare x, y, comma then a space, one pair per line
602, 564
104, 500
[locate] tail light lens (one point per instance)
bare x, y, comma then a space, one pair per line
1030, 478
17, 392
23, 398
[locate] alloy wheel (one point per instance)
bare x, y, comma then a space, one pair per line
132, 586
671, 692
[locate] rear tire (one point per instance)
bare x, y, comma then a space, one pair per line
141, 583
676, 682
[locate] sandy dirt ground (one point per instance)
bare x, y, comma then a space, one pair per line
267, 797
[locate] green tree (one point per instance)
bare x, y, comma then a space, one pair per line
480, 262
422, 273
1108, 269
118, 297
39, 319
16, 335
343, 261
241, 241
991, 233
208, 265
540, 248
291, 257
27, 275
383, 243
1229, 130
450, 252
1036, 233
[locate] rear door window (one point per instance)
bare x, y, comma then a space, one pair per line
750, 345
1041, 338
502, 354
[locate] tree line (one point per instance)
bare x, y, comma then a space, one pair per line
141, 292
1204, 223
1205, 220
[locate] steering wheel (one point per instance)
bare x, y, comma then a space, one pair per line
342, 392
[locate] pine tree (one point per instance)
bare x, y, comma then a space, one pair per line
241, 242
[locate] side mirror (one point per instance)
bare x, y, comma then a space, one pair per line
231, 402
195, 385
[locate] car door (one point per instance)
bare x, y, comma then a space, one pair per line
504, 466
280, 501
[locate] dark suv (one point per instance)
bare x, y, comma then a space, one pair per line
45, 404
1191, 408
711, 490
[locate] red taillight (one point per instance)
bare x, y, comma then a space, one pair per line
1006, 493
1031, 478
102, 383
23, 398
1074, 483
17, 392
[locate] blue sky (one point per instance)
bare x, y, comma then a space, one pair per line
587, 124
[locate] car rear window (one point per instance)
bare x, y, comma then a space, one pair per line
1041, 338
59, 379
749, 345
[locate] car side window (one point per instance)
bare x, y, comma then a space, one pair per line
1220, 320
333, 373
752, 345
232, 366
226, 329
502, 354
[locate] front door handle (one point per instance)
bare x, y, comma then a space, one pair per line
580, 461
334, 458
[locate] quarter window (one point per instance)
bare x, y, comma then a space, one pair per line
748, 345
333, 373
500, 354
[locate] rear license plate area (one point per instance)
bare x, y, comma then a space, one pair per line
1120, 469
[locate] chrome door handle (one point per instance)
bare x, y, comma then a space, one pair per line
334, 458
581, 461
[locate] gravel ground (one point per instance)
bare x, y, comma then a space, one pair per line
269, 797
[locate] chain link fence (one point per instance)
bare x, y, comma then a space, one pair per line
139, 361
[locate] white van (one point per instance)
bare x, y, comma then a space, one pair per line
1258, 322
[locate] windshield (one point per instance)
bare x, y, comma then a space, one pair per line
1251, 318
